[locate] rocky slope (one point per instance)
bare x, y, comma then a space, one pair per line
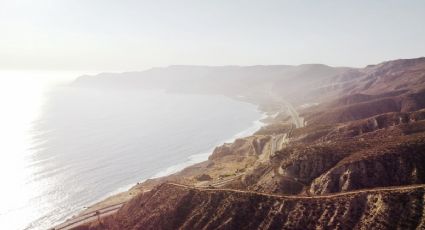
176, 207
358, 163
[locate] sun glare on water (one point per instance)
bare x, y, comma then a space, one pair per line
21, 98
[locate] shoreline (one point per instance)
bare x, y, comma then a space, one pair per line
192, 160
201, 157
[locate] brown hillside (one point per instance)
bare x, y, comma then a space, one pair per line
174, 207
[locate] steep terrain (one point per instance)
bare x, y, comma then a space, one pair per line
356, 162
396, 86
172, 206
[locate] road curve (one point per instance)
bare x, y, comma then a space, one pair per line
88, 217
379, 189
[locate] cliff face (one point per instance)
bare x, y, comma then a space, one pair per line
401, 163
359, 163
374, 152
241, 147
175, 207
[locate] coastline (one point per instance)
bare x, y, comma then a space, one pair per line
125, 193
201, 157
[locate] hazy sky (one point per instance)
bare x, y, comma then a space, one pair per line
106, 35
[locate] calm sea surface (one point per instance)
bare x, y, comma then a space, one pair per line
63, 148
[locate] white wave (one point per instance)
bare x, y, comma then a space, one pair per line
197, 158
256, 125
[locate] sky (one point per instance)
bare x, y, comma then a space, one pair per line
127, 35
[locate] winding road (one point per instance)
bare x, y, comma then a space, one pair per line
89, 217
378, 189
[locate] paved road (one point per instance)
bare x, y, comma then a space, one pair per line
381, 189
88, 217
298, 121
273, 145
221, 182
278, 142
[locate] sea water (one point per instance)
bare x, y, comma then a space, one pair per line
65, 147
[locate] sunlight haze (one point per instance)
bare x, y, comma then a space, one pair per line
220, 114
135, 35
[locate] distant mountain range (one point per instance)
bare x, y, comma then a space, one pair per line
298, 84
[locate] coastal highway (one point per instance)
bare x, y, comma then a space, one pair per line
279, 141
296, 119
273, 146
88, 217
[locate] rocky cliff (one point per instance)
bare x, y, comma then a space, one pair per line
172, 206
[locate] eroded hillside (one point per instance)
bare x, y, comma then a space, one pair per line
171, 206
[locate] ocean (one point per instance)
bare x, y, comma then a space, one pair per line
67, 147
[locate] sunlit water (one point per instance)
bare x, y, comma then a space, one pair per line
63, 148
